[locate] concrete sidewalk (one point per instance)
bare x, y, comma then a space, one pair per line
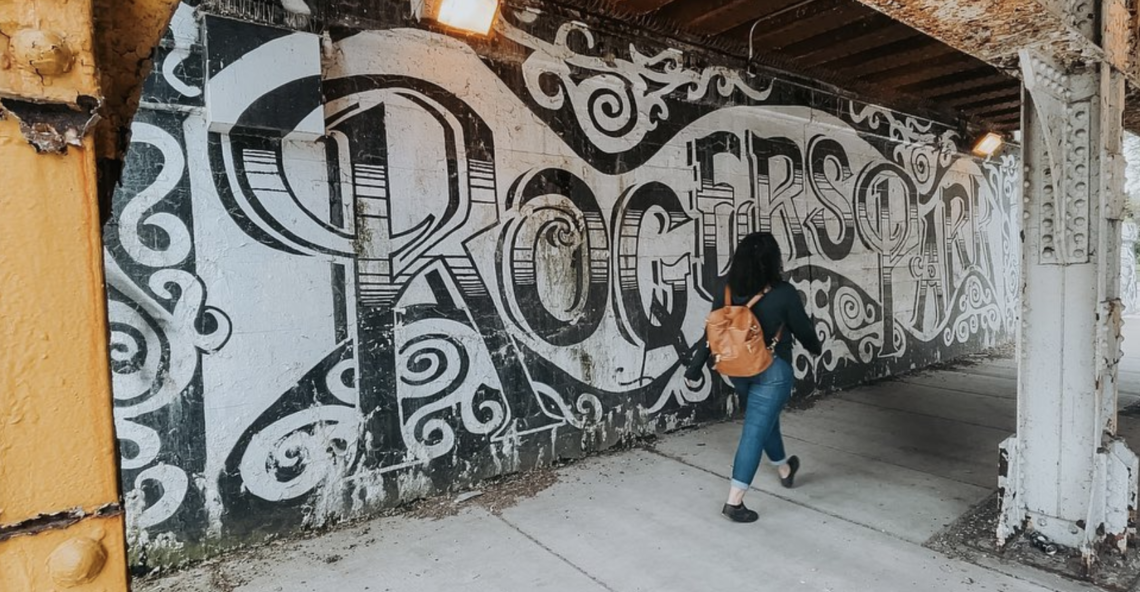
885, 468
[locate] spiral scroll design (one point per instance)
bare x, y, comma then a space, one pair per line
610, 104
294, 455
444, 386
617, 103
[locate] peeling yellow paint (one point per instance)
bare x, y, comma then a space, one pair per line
56, 440
86, 557
50, 52
30, 68
60, 524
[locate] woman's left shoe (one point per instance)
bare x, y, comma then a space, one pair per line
739, 513
793, 466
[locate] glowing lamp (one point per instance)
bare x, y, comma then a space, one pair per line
473, 16
988, 144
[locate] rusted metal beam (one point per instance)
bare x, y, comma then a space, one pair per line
790, 30
840, 42
1013, 117
59, 472
127, 33
1066, 475
48, 80
812, 26
1131, 114
995, 30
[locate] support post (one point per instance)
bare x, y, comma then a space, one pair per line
1066, 474
61, 523
61, 520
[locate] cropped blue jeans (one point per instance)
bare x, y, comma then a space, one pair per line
766, 395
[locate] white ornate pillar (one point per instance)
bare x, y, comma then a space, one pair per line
1065, 473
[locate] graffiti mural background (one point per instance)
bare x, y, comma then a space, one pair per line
346, 271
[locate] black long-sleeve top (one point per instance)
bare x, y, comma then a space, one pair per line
781, 307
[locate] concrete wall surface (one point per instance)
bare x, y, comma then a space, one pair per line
355, 262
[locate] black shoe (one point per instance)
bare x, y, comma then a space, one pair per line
794, 465
739, 513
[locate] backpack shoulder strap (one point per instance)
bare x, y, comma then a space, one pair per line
779, 332
759, 297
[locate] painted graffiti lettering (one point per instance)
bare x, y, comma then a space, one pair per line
829, 171
779, 174
349, 282
557, 238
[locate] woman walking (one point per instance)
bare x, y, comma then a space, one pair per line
757, 271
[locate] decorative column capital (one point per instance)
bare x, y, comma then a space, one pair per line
1062, 101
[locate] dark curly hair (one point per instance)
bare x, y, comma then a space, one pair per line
756, 264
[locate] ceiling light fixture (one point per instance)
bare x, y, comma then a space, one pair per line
988, 144
471, 16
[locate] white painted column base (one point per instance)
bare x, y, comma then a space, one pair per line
1112, 503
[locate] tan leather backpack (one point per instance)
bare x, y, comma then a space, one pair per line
736, 339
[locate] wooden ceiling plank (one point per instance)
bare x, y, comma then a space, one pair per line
785, 22
954, 81
643, 6
847, 61
1000, 122
811, 25
982, 99
857, 52
973, 91
888, 58
702, 15
995, 110
904, 74
863, 33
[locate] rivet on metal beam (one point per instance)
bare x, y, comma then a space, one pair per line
76, 562
42, 52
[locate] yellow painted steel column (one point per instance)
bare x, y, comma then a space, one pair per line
61, 523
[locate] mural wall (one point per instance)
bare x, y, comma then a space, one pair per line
349, 270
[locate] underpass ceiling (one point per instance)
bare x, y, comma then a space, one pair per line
852, 46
